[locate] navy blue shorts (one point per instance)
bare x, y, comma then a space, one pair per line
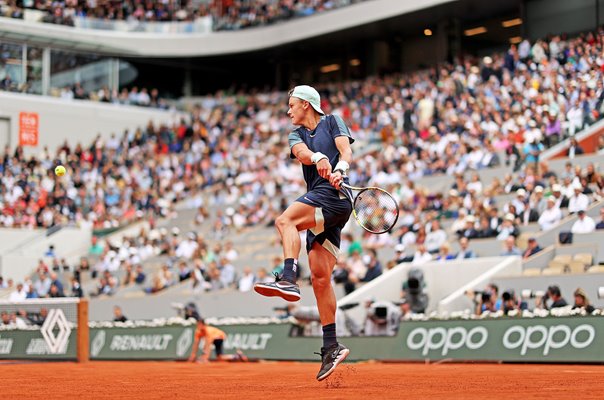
218, 347
332, 211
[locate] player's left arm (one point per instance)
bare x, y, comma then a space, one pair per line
341, 168
343, 145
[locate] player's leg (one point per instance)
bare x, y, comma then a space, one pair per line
298, 216
239, 356
220, 356
322, 261
218, 350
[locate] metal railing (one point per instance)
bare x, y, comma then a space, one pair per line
199, 25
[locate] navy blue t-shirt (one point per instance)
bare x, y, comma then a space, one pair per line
322, 139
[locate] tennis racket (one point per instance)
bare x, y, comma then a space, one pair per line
374, 209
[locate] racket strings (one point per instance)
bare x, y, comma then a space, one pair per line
376, 210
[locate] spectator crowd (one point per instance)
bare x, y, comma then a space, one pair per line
178, 258
131, 97
21, 319
490, 301
231, 155
45, 282
226, 14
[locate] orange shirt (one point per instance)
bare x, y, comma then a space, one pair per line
211, 333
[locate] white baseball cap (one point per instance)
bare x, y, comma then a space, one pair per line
310, 94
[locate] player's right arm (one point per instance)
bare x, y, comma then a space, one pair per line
306, 156
302, 153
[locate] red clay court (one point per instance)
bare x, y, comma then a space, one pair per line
295, 380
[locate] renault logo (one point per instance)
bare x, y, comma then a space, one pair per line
56, 321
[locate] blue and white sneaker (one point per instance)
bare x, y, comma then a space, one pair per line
330, 359
280, 288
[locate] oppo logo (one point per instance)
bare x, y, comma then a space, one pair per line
446, 339
536, 337
553, 337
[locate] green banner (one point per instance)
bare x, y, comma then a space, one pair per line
33, 344
562, 339
567, 339
572, 339
162, 343
174, 342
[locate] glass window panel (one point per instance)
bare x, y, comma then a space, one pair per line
11, 67
34, 70
78, 75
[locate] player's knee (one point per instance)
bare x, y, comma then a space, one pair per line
320, 279
282, 222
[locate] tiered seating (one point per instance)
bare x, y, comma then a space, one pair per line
242, 198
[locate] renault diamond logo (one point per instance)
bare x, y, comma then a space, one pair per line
184, 341
56, 321
97, 343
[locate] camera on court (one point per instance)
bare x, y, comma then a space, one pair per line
186, 311
382, 318
532, 294
413, 291
508, 295
479, 296
378, 314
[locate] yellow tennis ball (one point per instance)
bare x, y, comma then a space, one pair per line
60, 170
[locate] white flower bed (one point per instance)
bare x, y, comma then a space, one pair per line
178, 321
468, 315
434, 316
13, 327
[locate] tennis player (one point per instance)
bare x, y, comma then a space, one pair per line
322, 145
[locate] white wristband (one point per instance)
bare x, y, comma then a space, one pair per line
342, 166
316, 157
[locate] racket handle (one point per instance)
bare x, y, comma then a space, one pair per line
347, 186
343, 185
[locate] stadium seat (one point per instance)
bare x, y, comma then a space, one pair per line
597, 269
552, 271
585, 258
564, 259
522, 241
556, 264
531, 272
576, 267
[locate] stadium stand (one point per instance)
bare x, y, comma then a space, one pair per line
227, 15
224, 174
170, 118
